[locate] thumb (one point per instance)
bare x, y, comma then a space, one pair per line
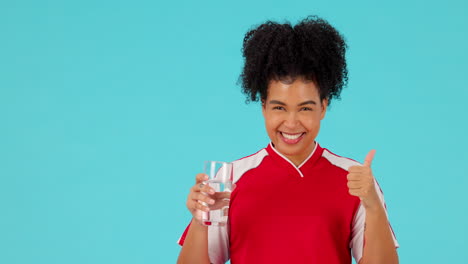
369, 158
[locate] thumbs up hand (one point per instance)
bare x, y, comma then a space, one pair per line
361, 183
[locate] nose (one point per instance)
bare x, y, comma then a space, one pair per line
291, 120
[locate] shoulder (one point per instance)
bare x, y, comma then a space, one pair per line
247, 163
338, 161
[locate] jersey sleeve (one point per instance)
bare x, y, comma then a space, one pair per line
357, 233
218, 243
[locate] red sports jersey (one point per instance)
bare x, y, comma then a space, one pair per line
280, 213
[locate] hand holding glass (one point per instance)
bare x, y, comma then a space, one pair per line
220, 176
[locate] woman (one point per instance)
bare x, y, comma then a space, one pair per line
294, 201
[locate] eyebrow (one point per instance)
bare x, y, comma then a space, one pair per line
301, 104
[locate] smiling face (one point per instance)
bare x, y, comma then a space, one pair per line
292, 112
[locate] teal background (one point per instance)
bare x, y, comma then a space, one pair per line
109, 108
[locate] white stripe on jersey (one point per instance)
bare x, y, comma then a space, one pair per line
357, 234
243, 165
218, 236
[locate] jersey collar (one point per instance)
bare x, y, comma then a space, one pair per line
281, 160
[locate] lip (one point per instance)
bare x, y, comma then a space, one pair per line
291, 141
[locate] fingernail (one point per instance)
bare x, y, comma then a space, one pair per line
212, 191
212, 201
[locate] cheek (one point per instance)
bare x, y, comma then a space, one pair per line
312, 124
272, 123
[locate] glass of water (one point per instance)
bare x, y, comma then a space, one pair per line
220, 175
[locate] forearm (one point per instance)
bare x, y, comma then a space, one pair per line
195, 248
379, 246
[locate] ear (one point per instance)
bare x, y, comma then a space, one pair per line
324, 108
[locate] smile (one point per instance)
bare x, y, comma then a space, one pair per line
291, 138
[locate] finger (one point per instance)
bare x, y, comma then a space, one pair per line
355, 192
357, 169
205, 188
198, 188
197, 196
222, 195
199, 206
220, 204
193, 206
369, 158
201, 177
203, 198
354, 176
354, 184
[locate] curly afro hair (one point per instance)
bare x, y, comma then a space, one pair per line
312, 49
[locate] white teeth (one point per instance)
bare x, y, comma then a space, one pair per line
293, 136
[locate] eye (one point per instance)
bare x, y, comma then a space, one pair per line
306, 109
278, 108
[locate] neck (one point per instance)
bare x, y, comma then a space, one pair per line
299, 159
296, 160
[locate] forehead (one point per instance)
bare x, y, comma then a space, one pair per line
293, 90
